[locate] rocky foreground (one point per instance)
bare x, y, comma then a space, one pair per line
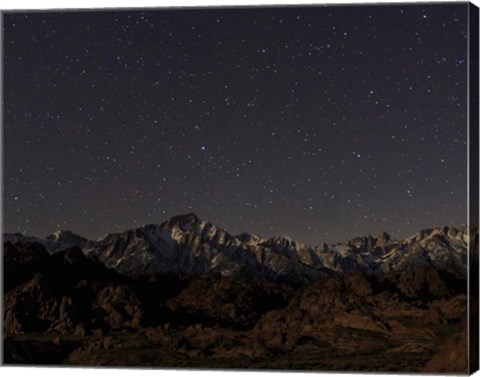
68, 307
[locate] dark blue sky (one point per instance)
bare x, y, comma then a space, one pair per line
322, 123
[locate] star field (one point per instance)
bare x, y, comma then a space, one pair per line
322, 123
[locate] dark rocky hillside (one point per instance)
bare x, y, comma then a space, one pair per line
301, 311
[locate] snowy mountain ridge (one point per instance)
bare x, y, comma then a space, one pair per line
187, 245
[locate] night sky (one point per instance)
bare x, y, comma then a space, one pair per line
322, 123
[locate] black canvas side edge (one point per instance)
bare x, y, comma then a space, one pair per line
473, 189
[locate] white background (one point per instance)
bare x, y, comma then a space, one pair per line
85, 4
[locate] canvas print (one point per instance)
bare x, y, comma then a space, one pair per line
281, 188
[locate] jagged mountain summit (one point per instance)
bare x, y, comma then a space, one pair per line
187, 245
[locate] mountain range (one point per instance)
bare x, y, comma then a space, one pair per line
185, 293
187, 245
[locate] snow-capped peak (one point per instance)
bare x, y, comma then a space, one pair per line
187, 244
